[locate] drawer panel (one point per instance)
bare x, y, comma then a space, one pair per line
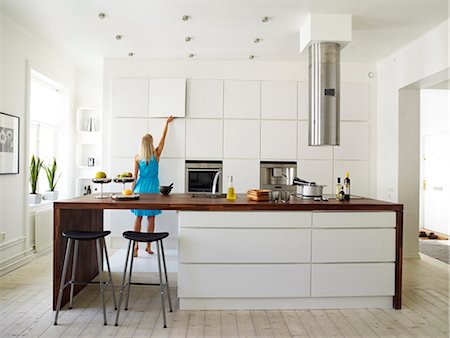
244, 245
353, 245
335, 280
245, 219
243, 280
354, 219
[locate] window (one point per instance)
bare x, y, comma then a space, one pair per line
48, 112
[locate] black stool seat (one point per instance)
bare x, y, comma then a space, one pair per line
85, 235
145, 236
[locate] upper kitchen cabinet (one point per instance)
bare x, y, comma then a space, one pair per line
355, 102
204, 138
245, 174
278, 140
167, 97
302, 100
354, 142
205, 99
175, 140
129, 98
242, 99
126, 134
279, 100
241, 139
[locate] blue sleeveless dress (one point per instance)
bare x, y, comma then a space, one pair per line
147, 183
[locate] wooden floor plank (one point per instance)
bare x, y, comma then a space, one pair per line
343, 325
245, 324
312, 328
294, 323
261, 324
279, 327
228, 324
325, 323
212, 324
196, 324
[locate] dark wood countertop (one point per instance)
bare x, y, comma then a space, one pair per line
188, 203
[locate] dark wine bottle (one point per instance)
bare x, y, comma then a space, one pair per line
347, 187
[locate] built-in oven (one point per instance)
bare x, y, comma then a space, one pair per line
203, 177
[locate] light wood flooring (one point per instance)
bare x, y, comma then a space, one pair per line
25, 310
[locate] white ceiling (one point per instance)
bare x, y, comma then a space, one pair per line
220, 29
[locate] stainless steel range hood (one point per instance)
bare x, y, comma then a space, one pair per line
324, 92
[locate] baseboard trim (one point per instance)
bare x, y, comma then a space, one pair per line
16, 261
12, 242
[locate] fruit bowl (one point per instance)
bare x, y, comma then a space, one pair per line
123, 179
101, 180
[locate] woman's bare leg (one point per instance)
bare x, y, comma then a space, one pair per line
137, 227
150, 228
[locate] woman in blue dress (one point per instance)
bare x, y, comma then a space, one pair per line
146, 164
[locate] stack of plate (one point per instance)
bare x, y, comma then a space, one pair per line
258, 195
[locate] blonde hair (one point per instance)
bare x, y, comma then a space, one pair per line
147, 149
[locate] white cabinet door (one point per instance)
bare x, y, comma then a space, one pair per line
175, 140
302, 100
354, 219
319, 171
359, 175
167, 97
205, 98
242, 99
245, 174
355, 101
129, 98
243, 280
353, 245
241, 139
248, 245
355, 138
341, 280
204, 139
126, 134
311, 153
171, 170
279, 100
278, 140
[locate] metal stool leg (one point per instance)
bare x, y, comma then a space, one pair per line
110, 276
63, 279
161, 287
123, 283
165, 273
74, 271
129, 278
100, 271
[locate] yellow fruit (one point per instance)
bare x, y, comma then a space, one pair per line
127, 192
100, 174
126, 174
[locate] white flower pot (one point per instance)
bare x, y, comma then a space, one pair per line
51, 195
34, 198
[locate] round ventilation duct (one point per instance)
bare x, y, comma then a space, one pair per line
324, 92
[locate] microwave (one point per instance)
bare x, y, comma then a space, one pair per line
203, 177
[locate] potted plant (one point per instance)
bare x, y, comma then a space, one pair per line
35, 167
50, 171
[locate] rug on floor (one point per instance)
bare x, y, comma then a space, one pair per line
436, 249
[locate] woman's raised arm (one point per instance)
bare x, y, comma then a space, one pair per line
160, 147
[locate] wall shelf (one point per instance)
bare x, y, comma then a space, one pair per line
89, 120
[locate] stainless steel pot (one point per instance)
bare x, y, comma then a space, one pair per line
309, 189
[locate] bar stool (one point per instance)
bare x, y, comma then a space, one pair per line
134, 237
77, 236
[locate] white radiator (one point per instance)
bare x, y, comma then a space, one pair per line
43, 230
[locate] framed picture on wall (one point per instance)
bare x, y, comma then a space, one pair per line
9, 144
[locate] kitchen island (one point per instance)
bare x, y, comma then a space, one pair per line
260, 255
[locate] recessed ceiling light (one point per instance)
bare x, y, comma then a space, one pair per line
130, 54
118, 37
187, 39
191, 55
185, 17
251, 57
101, 16
257, 40
265, 19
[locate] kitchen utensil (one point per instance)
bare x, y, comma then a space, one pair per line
309, 189
165, 189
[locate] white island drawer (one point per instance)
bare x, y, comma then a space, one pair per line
243, 280
201, 245
341, 280
353, 245
354, 219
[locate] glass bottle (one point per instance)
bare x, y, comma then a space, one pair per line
347, 186
231, 194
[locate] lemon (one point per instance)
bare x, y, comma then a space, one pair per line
100, 174
127, 192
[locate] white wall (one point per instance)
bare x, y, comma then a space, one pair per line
18, 48
262, 73
426, 57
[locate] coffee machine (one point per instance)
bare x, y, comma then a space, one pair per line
278, 175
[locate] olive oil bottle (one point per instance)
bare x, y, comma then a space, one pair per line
347, 186
231, 194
